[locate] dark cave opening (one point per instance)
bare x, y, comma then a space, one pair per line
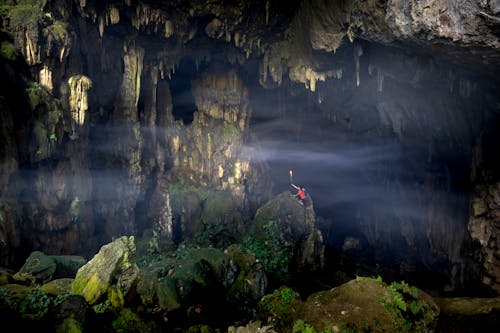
184, 106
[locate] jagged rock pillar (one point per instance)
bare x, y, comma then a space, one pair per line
484, 220
123, 178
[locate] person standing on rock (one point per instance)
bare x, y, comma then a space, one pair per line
301, 194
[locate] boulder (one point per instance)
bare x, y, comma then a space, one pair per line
58, 287
367, 304
196, 273
110, 273
286, 230
40, 268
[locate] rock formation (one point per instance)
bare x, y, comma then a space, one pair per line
98, 141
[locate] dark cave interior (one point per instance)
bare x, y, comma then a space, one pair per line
355, 167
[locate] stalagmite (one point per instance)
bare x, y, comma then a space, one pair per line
163, 226
78, 99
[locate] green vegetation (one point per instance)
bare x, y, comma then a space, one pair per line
58, 30
34, 303
301, 327
411, 314
34, 92
269, 245
280, 308
129, 321
23, 14
8, 51
69, 325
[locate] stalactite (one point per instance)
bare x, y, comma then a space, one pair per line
32, 51
112, 16
78, 100
169, 29
101, 26
45, 78
358, 52
380, 80
268, 7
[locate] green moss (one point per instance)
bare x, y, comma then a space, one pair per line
280, 308
34, 92
200, 329
92, 289
69, 325
129, 321
168, 297
268, 244
23, 15
57, 30
115, 297
8, 51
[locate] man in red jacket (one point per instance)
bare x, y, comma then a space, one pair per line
301, 193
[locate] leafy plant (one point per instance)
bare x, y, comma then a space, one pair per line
280, 307
267, 243
410, 313
37, 303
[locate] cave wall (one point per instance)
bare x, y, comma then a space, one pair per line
96, 148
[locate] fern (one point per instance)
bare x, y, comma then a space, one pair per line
415, 307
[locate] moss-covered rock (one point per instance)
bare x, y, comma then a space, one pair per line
280, 309
129, 321
5, 276
222, 219
370, 304
251, 281
111, 272
58, 287
38, 268
8, 51
69, 325
284, 237
468, 306
193, 275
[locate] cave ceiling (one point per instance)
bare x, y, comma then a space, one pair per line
298, 38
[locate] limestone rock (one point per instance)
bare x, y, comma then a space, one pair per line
468, 306
359, 303
38, 268
41, 268
58, 286
296, 225
111, 272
